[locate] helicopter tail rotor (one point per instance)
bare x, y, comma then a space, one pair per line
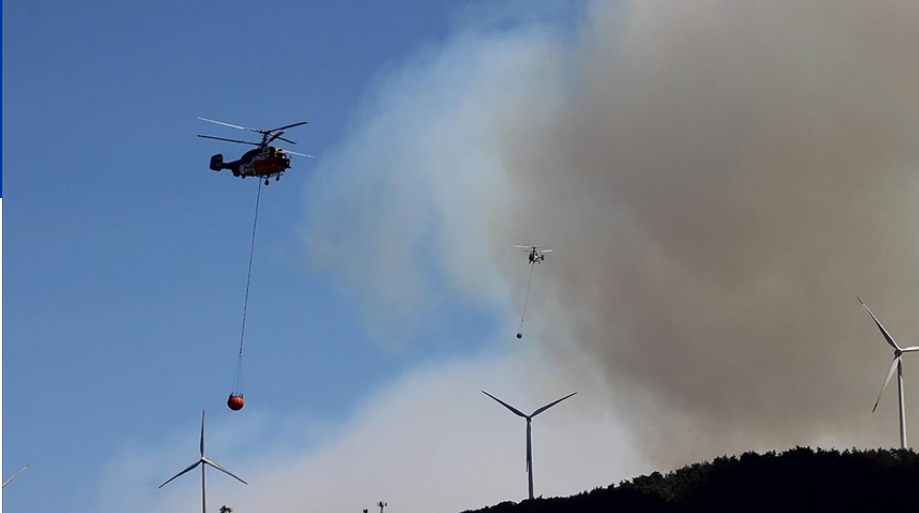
217, 162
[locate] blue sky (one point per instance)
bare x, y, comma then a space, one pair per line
716, 183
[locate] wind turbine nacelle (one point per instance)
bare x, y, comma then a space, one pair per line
217, 162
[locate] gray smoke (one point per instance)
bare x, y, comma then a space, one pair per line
720, 182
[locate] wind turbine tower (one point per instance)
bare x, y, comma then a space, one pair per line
529, 419
896, 365
204, 462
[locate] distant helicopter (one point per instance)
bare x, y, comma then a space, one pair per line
536, 255
264, 161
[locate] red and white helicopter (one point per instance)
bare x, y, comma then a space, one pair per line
536, 254
264, 161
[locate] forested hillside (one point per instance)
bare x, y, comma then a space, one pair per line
800, 479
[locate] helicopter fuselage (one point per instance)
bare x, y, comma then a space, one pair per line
259, 162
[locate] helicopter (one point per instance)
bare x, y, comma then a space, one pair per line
264, 161
536, 255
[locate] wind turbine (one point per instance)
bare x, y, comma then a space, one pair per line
898, 365
529, 419
204, 462
14, 476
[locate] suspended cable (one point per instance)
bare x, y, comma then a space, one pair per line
525, 301
235, 402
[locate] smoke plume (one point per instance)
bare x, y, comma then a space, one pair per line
719, 181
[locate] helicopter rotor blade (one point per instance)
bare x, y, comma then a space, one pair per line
300, 154
285, 140
264, 133
278, 137
229, 140
285, 127
231, 125
240, 127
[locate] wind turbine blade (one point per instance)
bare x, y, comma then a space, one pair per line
910, 349
202, 434
553, 403
191, 467
880, 326
509, 407
893, 367
225, 471
14, 476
